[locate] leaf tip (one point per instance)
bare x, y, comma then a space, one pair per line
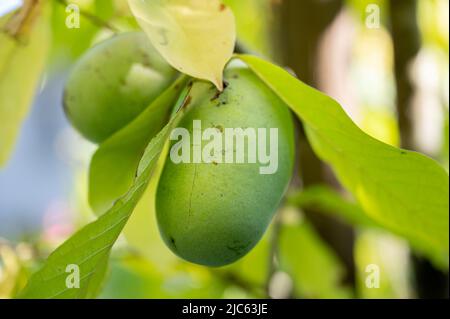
218, 83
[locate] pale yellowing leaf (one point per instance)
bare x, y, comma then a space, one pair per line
195, 36
21, 64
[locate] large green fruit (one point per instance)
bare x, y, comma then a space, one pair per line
213, 214
114, 82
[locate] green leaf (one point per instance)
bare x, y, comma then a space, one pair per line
141, 231
19, 77
316, 271
327, 200
195, 36
405, 192
90, 247
113, 166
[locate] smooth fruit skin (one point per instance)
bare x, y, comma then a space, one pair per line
213, 214
113, 83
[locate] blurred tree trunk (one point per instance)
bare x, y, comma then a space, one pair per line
430, 282
299, 27
406, 40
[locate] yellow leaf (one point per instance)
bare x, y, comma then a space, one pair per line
195, 36
21, 63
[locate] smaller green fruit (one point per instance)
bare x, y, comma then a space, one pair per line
113, 83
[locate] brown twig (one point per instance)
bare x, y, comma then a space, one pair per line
19, 24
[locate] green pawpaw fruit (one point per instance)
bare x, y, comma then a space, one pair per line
214, 213
113, 83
